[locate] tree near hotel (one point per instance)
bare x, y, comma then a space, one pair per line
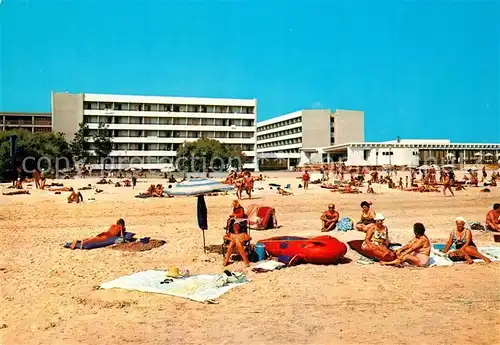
79, 145
207, 153
103, 143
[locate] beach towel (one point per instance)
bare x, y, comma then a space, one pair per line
345, 224
198, 288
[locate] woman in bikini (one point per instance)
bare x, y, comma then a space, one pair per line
416, 252
367, 217
239, 183
377, 237
465, 246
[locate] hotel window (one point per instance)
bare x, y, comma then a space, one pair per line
176, 108
183, 108
218, 122
121, 119
134, 133
192, 134
165, 120
193, 122
203, 109
192, 108
218, 109
122, 133
135, 106
179, 121
121, 106
164, 107
133, 120
207, 134
104, 106
249, 110
247, 135
207, 122
133, 146
151, 120
162, 134
235, 110
151, 133
210, 109
86, 105
221, 134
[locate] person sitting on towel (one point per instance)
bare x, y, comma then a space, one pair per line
416, 252
329, 219
115, 230
158, 191
75, 197
237, 241
465, 246
367, 217
377, 237
493, 218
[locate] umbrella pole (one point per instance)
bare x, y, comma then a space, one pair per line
204, 245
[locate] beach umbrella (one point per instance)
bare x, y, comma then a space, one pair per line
423, 167
477, 154
489, 155
201, 210
447, 166
199, 187
450, 155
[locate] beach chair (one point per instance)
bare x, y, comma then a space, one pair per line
243, 223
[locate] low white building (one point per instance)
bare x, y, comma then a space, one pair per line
412, 152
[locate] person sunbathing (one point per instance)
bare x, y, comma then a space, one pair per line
329, 219
465, 246
61, 189
281, 191
237, 241
16, 192
377, 237
115, 230
493, 218
367, 217
75, 197
416, 252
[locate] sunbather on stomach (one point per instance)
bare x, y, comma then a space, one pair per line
115, 230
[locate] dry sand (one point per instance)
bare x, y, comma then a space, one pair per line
47, 293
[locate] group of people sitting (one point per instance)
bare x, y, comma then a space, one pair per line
417, 251
154, 191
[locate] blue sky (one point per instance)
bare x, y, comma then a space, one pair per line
428, 69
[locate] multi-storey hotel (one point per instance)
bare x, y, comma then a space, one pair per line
283, 141
32, 122
147, 130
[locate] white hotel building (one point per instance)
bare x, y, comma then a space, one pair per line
283, 141
147, 130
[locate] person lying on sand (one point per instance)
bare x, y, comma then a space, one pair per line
367, 217
115, 230
493, 218
416, 252
281, 191
329, 219
75, 197
60, 189
87, 187
16, 192
377, 237
237, 241
465, 246
158, 191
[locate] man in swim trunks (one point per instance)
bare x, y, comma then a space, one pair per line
115, 230
493, 218
416, 252
329, 219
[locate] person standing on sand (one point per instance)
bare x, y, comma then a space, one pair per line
305, 179
448, 182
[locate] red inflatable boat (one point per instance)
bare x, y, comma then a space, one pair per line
356, 246
321, 250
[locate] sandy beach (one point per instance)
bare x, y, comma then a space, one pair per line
48, 295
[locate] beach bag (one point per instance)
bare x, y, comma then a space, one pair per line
345, 224
476, 226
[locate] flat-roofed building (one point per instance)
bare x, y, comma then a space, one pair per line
280, 140
147, 130
406, 152
32, 122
